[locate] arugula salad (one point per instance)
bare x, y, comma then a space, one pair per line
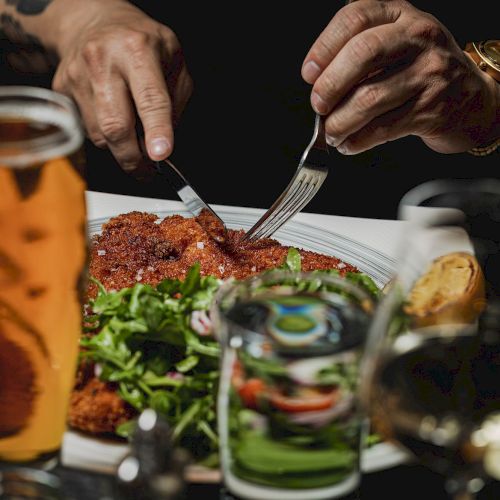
155, 344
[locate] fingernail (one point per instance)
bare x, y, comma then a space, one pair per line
343, 149
310, 71
159, 147
319, 105
332, 141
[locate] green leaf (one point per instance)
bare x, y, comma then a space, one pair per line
364, 281
187, 364
192, 281
159, 364
161, 401
187, 419
100, 287
126, 429
132, 395
293, 261
169, 287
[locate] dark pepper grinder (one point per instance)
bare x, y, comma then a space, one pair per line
154, 469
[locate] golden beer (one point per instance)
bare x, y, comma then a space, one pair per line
43, 252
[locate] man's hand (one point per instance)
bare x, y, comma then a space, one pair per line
383, 70
121, 67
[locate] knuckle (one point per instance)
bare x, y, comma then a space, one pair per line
73, 72
114, 129
151, 100
323, 48
353, 18
333, 126
326, 85
136, 41
93, 53
367, 46
368, 96
427, 28
97, 139
170, 37
436, 68
380, 133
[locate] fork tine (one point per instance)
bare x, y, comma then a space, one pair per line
295, 192
305, 183
287, 207
252, 233
284, 216
281, 218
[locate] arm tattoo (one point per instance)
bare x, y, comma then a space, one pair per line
29, 7
24, 50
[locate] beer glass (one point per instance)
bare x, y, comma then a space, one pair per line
43, 253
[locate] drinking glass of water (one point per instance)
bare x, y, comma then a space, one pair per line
288, 416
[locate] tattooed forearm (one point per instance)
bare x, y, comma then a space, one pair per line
29, 7
24, 51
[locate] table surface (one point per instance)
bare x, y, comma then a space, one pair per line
408, 481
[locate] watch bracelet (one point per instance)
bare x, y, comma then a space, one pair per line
485, 150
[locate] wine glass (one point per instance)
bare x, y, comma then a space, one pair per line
432, 361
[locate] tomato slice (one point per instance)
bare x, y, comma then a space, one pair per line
250, 392
307, 399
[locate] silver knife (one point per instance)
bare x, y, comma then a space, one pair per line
206, 217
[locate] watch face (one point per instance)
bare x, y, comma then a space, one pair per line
491, 49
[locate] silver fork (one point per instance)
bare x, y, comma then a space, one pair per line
310, 174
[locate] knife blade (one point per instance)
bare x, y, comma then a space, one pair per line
206, 217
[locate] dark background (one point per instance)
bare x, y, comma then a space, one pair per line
244, 130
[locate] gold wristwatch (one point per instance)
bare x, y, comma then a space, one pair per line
486, 55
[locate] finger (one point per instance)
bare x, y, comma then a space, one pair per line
374, 97
181, 94
71, 83
84, 101
347, 23
366, 54
116, 121
393, 125
152, 100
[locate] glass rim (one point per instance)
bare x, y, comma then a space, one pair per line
362, 300
426, 190
62, 142
225, 289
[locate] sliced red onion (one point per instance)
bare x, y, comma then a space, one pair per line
201, 323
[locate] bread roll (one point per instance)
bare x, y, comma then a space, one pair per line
451, 291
